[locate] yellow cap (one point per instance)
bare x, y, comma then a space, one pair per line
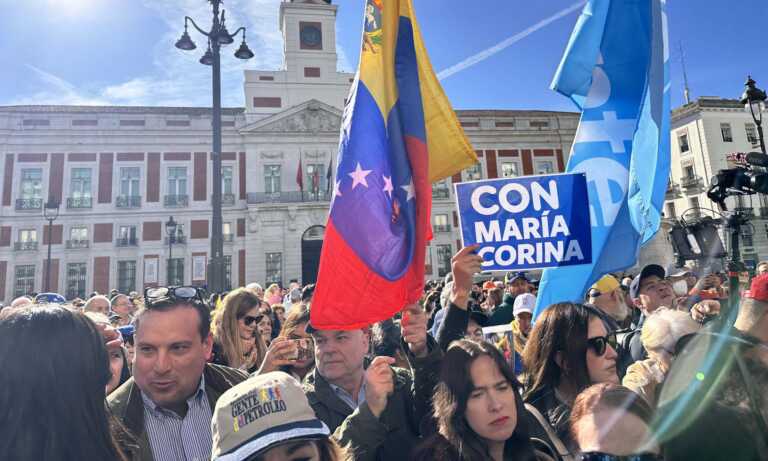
607, 284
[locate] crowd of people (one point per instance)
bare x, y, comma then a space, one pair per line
649, 366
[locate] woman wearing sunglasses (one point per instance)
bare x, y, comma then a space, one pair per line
236, 340
568, 349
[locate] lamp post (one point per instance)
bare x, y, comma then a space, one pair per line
217, 37
50, 212
170, 230
754, 103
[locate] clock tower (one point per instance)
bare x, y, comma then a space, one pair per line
309, 37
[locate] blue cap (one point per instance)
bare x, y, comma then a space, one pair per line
49, 298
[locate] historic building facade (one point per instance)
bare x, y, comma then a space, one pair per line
120, 173
704, 133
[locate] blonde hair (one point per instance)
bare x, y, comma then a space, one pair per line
226, 331
663, 328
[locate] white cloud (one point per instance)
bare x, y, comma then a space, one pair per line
178, 79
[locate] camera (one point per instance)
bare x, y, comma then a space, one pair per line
741, 180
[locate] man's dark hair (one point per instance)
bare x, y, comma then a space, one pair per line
307, 292
385, 338
203, 313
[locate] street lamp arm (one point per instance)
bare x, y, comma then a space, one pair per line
234, 34
188, 19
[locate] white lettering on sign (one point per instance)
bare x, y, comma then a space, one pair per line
531, 253
537, 195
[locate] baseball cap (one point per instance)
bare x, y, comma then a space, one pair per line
49, 298
649, 270
514, 276
489, 285
263, 411
606, 284
525, 302
758, 290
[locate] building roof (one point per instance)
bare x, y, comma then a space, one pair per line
705, 102
121, 110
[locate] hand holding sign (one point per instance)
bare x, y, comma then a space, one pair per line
527, 223
464, 265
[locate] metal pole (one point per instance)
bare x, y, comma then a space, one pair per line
215, 267
170, 256
760, 135
48, 265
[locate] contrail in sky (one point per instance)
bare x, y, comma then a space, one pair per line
487, 53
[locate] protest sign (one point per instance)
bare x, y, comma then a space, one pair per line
527, 223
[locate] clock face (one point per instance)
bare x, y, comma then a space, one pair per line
311, 36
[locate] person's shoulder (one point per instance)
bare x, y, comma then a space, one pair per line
435, 447
220, 373
117, 401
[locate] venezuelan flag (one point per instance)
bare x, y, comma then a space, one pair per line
399, 134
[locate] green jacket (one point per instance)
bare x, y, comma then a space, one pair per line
126, 405
395, 433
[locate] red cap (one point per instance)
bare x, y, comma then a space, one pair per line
759, 288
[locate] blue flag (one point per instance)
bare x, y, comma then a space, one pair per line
616, 70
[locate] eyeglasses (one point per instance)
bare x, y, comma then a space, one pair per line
250, 320
597, 456
599, 344
159, 295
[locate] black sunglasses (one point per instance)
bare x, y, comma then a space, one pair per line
249, 320
597, 456
162, 295
600, 344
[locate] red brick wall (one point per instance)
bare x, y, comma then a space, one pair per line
200, 187
3, 275
56, 177
5, 237
176, 156
240, 227
198, 229
130, 157
152, 231
490, 163
33, 158
527, 161
241, 267
105, 177
560, 163
102, 232
8, 180
266, 102
241, 175
79, 157
101, 274
153, 177
57, 231
54, 275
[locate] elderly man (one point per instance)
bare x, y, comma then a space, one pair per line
607, 295
121, 308
167, 404
98, 303
374, 408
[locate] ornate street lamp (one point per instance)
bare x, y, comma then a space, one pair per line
50, 212
170, 230
217, 37
754, 103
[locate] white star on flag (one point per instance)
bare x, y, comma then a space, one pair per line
337, 189
358, 176
409, 190
388, 185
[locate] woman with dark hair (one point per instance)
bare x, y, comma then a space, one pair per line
53, 397
479, 411
568, 349
295, 329
236, 339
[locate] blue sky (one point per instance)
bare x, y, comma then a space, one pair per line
120, 52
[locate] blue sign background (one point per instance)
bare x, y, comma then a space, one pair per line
572, 210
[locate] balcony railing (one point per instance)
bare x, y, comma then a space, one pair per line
176, 201
126, 242
77, 244
229, 238
25, 246
227, 199
745, 211
441, 228
23, 204
690, 181
128, 201
177, 240
287, 197
79, 202
443, 192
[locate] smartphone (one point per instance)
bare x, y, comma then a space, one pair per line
303, 349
